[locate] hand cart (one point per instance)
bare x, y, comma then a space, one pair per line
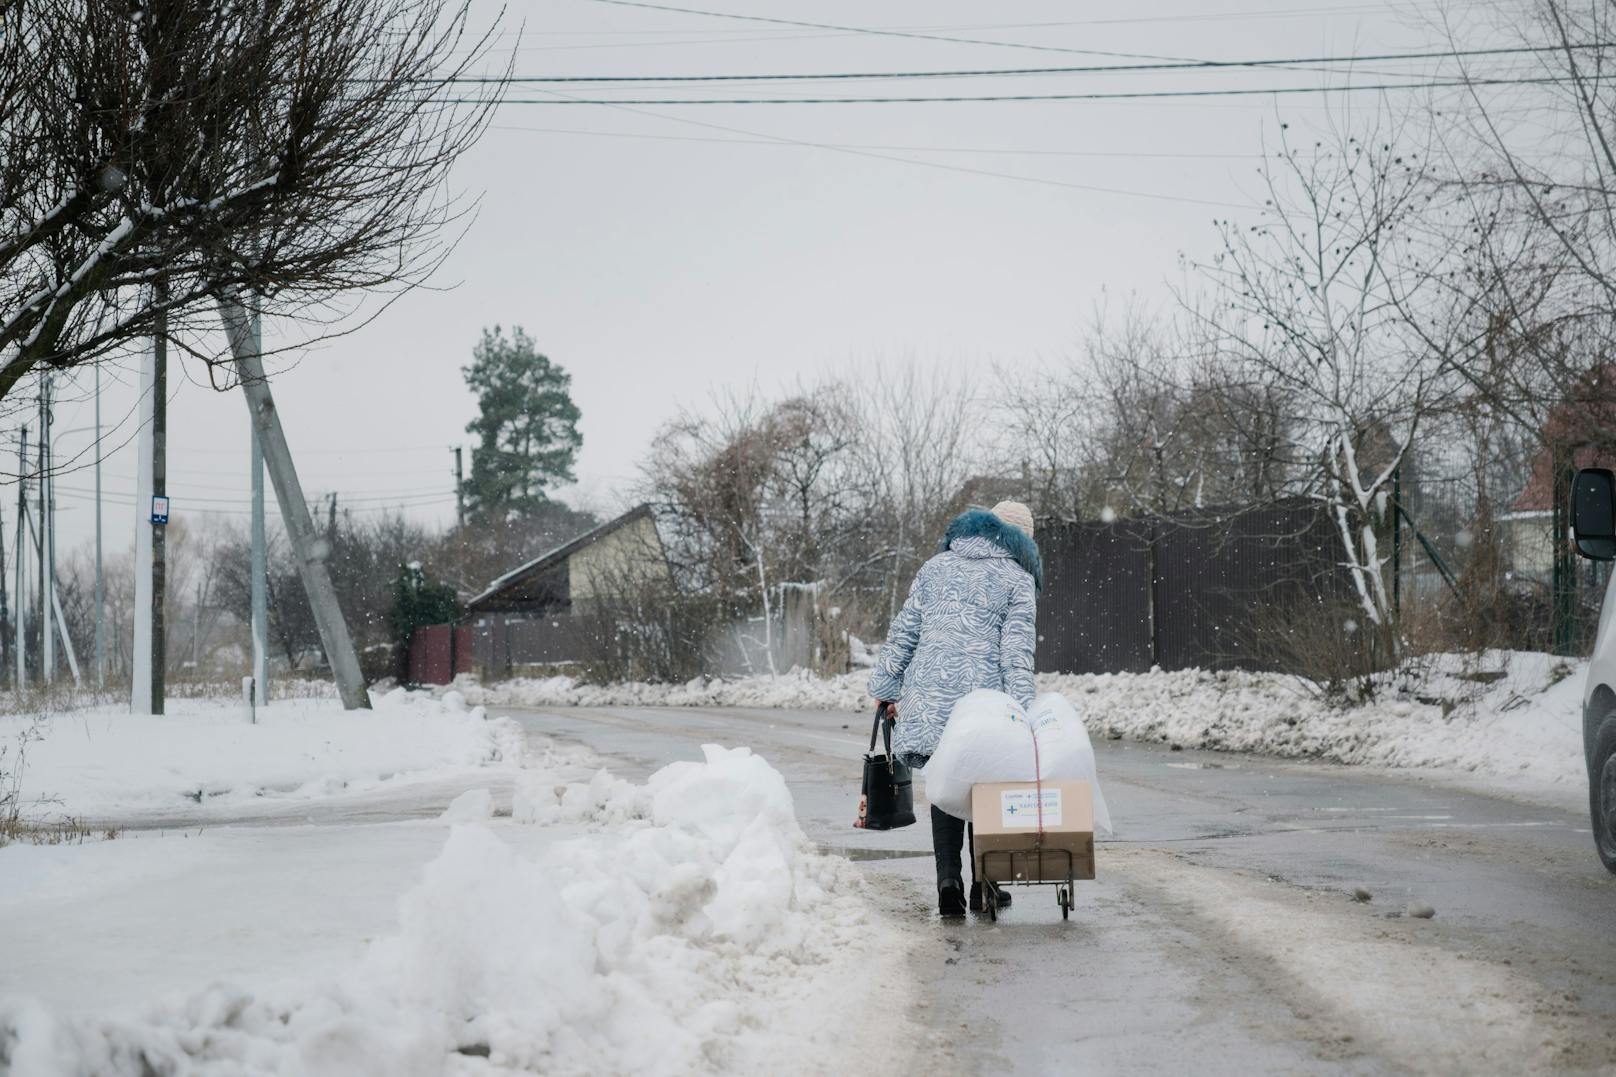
1037, 866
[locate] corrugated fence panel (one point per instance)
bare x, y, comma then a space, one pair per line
1220, 583
1094, 614
1219, 579
429, 655
465, 649
550, 639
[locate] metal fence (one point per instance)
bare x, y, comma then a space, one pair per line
438, 652
491, 647
1200, 589
1190, 589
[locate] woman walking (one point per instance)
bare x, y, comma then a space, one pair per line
969, 623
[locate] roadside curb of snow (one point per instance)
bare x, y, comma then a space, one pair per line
104, 763
682, 926
1519, 735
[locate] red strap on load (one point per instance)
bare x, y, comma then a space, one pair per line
1038, 780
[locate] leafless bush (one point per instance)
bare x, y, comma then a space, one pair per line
1322, 643
33, 828
648, 630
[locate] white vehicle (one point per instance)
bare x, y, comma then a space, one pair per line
1593, 528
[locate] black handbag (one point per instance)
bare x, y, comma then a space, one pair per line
887, 800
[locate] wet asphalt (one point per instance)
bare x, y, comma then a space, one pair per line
1221, 934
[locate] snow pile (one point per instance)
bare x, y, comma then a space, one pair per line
105, 762
685, 937
1514, 716
797, 690
469, 807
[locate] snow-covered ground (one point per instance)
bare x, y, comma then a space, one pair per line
1508, 722
1505, 721
104, 763
685, 925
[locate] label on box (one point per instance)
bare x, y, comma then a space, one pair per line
1019, 807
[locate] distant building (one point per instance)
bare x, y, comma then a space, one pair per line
618, 557
1579, 434
537, 614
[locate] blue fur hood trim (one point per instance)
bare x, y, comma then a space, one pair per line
979, 523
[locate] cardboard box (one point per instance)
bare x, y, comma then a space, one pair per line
1005, 821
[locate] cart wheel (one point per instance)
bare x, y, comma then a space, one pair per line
990, 900
1063, 896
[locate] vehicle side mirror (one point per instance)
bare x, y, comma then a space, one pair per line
1593, 513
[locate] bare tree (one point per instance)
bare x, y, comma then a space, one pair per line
156, 155
921, 437
1045, 427
1310, 300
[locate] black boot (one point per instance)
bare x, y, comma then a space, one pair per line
947, 844
977, 903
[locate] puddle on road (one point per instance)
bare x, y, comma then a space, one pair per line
853, 853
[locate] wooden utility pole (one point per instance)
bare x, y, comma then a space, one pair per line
159, 544
100, 575
47, 651
140, 664
307, 550
19, 601
460, 490
260, 559
5, 606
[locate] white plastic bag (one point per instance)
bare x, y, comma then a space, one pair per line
1064, 749
989, 738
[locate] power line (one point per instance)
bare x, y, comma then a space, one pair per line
876, 146
184, 507
1187, 16
403, 497
878, 32
996, 72
1131, 95
801, 34
939, 165
881, 33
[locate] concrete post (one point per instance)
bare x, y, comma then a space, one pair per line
308, 549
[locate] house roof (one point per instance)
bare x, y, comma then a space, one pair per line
516, 577
1577, 434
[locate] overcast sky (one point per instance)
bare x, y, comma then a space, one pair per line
660, 252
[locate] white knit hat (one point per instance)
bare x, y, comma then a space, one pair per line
1015, 514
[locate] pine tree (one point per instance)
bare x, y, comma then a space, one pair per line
527, 429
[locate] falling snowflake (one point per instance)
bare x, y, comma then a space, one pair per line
1108, 515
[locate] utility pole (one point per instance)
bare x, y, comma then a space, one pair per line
140, 665
5, 606
460, 490
260, 558
196, 630
100, 577
159, 545
49, 480
21, 602
47, 644
306, 546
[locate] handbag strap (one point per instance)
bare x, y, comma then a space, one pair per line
882, 728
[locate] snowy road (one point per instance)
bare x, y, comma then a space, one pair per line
1220, 935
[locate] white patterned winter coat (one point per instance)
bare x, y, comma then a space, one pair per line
969, 623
